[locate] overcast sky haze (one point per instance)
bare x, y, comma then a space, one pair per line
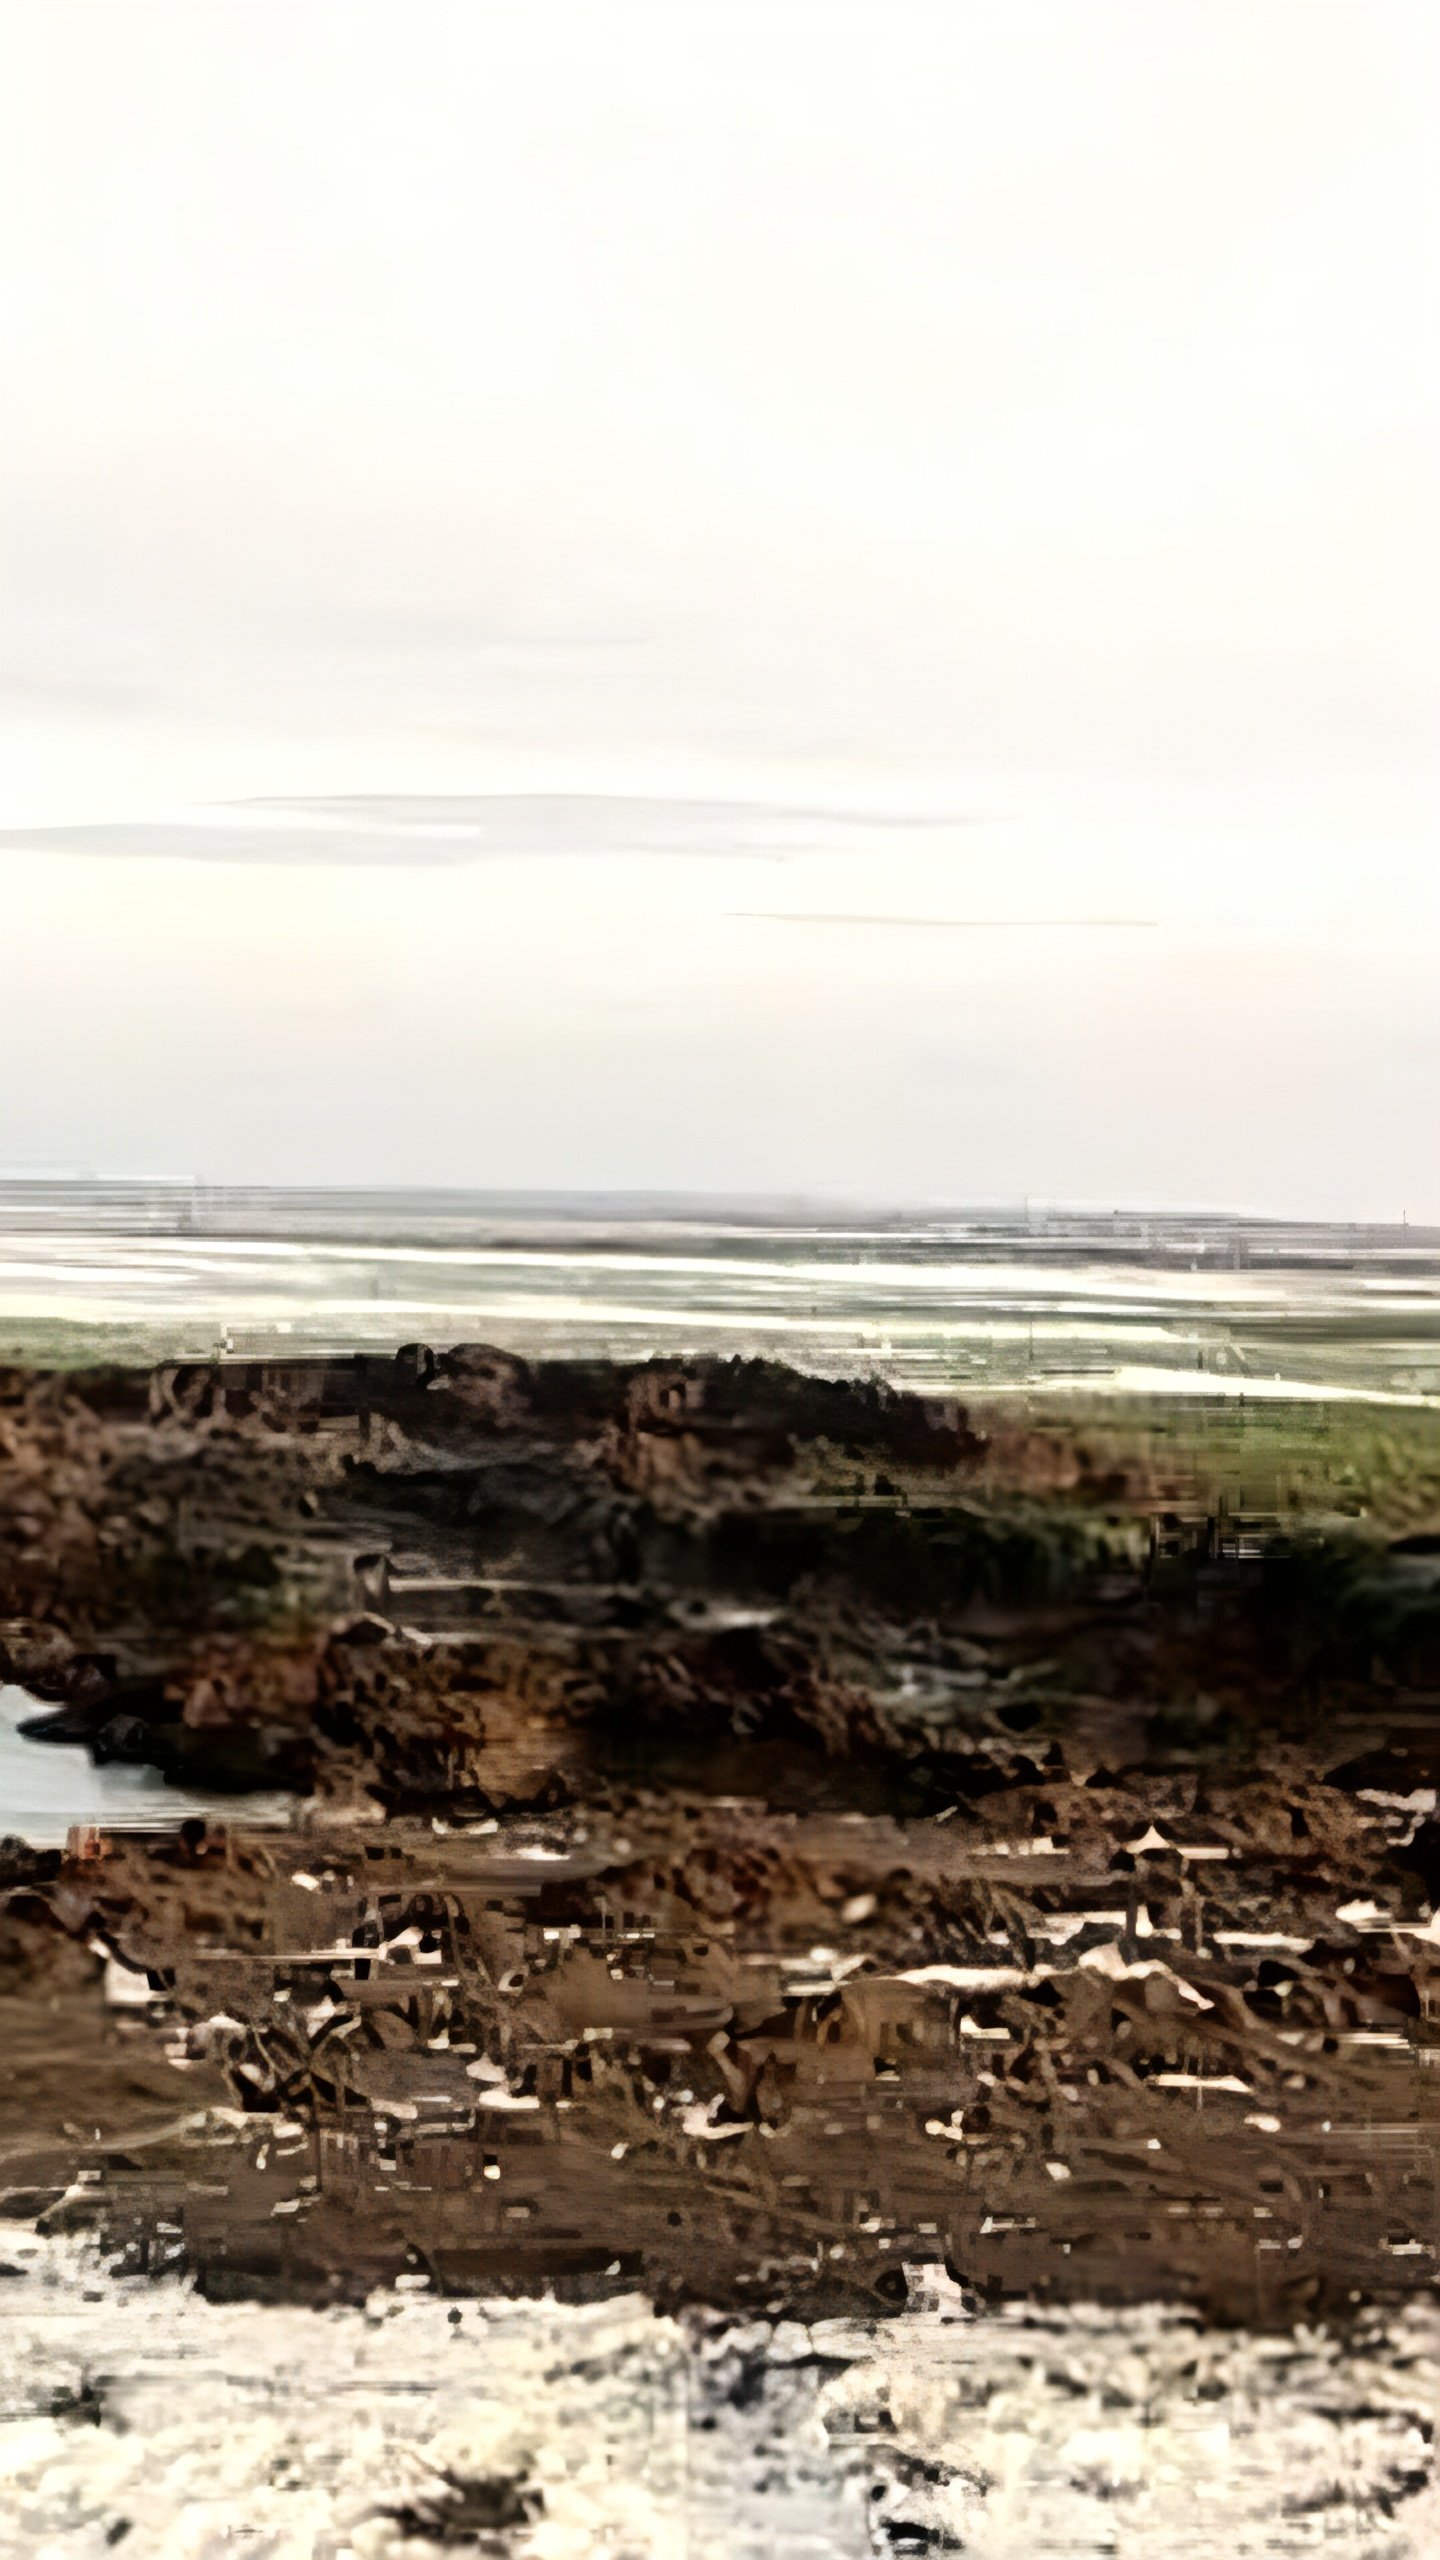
816, 598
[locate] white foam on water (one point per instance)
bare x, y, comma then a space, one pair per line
133, 2404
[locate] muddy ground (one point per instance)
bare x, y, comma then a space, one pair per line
756, 1841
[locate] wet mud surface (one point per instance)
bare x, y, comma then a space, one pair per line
755, 1842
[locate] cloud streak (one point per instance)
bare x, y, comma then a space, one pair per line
954, 924
429, 829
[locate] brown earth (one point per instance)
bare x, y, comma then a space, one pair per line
757, 1836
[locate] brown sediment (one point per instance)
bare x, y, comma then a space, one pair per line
759, 1835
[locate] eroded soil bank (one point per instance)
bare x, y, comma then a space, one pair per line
755, 1840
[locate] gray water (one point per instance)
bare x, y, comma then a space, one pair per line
47, 1787
983, 1301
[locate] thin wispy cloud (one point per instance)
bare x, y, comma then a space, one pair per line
952, 924
436, 828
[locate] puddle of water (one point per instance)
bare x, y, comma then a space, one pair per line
45, 1787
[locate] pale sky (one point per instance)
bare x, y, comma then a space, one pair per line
724, 594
